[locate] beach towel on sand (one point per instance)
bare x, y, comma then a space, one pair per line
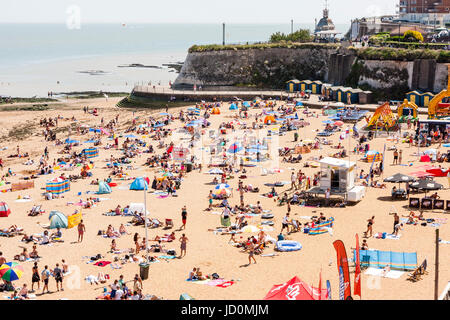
102, 263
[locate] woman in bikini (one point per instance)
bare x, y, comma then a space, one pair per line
369, 226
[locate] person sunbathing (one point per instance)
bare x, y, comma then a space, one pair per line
34, 253
56, 235
11, 229
114, 246
122, 229
111, 233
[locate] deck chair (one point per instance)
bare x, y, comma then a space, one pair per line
168, 224
36, 210
155, 223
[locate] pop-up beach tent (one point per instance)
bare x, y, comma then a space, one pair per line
103, 188
58, 220
4, 209
139, 184
233, 107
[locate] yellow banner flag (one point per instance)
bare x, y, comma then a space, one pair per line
74, 220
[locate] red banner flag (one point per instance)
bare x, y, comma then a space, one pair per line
320, 284
357, 289
343, 263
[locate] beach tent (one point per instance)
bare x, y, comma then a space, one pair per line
4, 209
58, 186
296, 289
269, 119
139, 184
233, 107
103, 188
58, 220
235, 148
91, 152
215, 111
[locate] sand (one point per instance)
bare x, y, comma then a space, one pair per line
206, 250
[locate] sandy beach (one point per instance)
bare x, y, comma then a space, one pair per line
211, 252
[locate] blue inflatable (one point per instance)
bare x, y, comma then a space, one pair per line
288, 245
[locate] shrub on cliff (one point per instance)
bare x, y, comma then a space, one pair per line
412, 36
302, 35
284, 44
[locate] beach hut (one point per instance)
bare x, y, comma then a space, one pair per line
305, 85
4, 210
414, 97
90, 153
292, 85
57, 186
139, 184
341, 95
333, 92
365, 97
425, 99
269, 119
316, 87
103, 188
352, 96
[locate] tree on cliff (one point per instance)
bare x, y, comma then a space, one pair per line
301, 35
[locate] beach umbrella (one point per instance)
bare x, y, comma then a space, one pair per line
246, 104
215, 171
298, 104
11, 271
327, 122
222, 192
426, 185
91, 141
130, 136
234, 148
250, 229
399, 177
159, 125
70, 141
164, 114
338, 123
222, 186
58, 220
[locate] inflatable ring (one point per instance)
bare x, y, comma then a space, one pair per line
267, 216
288, 245
112, 184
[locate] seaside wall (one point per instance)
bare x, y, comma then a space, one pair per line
270, 68
262, 67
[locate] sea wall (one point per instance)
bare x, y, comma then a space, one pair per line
386, 70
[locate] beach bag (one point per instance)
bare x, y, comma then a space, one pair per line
171, 252
215, 276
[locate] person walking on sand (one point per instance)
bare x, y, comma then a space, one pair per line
35, 278
210, 199
396, 221
370, 226
58, 274
45, 275
400, 157
251, 253
183, 241
395, 157
183, 217
293, 178
81, 231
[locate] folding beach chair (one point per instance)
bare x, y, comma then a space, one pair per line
168, 224
155, 223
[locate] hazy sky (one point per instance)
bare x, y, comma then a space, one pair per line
191, 11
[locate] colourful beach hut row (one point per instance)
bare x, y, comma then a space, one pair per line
58, 187
91, 152
420, 99
298, 86
346, 95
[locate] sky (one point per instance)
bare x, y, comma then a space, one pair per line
189, 11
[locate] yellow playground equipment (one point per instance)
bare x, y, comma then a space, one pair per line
382, 117
437, 108
408, 105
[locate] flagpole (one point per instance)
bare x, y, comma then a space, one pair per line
145, 222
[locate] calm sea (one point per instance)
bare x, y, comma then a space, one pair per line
37, 58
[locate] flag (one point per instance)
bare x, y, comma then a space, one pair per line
320, 284
329, 289
357, 289
341, 285
342, 263
382, 162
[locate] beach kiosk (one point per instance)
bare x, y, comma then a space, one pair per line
338, 175
292, 85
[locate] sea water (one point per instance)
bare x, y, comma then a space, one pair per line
38, 58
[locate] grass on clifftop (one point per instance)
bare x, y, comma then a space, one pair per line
441, 56
288, 45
